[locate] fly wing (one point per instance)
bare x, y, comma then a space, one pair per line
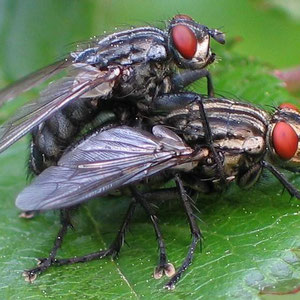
28, 82
84, 81
105, 161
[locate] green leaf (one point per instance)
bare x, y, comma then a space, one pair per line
252, 241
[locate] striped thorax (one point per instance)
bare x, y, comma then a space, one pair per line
243, 135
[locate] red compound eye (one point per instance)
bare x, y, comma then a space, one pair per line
285, 140
289, 105
184, 40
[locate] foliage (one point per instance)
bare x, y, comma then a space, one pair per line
251, 237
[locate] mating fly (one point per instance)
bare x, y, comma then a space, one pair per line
139, 63
244, 138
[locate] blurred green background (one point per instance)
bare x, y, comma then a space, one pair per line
265, 29
252, 238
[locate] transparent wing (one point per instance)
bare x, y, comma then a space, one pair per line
103, 162
84, 81
28, 82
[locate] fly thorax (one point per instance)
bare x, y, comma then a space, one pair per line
145, 81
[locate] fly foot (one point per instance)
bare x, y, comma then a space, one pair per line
30, 275
43, 264
167, 269
27, 215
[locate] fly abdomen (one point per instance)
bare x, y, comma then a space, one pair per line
62, 126
50, 138
68, 126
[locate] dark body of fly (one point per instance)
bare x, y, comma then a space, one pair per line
149, 56
143, 52
139, 64
134, 66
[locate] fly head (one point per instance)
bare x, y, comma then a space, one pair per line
283, 137
189, 42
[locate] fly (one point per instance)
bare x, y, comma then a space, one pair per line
139, 63
246, 140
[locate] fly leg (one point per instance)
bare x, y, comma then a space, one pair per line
115, 246
195, 231
44, 264
163, 268
183, 79
209, 140
290, 188
112, 250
